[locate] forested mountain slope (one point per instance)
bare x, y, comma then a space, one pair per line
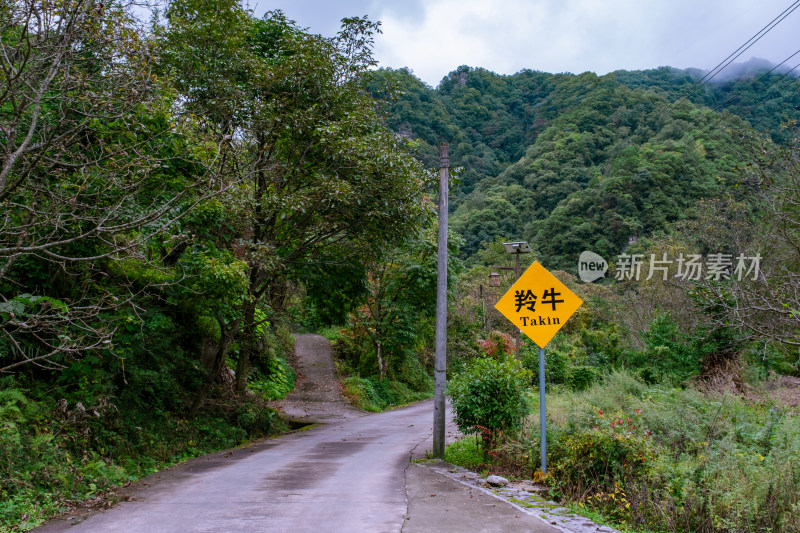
575, 162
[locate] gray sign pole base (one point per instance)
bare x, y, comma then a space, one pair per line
542, 410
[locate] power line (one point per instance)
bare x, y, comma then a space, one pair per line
781, 78
713, 72
743, 48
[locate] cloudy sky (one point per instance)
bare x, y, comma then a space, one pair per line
433, 37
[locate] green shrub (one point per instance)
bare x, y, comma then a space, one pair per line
275, 382
603, 344
603, 459
566, 364
256, 419
355, 389
557, 370
669, 355
490, 394
372, 394
582, 377
414, 374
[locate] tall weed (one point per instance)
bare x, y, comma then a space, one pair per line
664, 458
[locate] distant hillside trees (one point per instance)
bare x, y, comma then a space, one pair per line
575, 162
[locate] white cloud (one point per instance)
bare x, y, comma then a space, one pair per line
575, 35
433, 37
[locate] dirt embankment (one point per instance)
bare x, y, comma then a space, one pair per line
317, 396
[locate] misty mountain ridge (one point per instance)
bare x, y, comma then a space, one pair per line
743, 71
752, 68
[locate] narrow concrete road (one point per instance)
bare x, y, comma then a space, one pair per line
343, 477
346, 475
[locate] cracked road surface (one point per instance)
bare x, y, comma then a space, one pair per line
347, 476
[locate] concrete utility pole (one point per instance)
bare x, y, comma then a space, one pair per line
441, 307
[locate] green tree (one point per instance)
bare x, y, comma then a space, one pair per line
317, 172
758, 296
88, 173
211, 289
402, 299
490, 395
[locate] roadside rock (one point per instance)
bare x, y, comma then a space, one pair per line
497, 481
529, 486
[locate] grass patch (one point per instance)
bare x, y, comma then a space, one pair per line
372, 394
466, 453
331, 333
523, 503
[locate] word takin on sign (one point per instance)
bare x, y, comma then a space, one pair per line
540, 321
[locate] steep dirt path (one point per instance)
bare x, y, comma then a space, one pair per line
317, 396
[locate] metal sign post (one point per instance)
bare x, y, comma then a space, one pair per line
538, 304
542, 411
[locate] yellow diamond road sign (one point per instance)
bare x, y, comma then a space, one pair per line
538, 304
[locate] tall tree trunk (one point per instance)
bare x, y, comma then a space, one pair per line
248, 349
212, 372
383, 365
